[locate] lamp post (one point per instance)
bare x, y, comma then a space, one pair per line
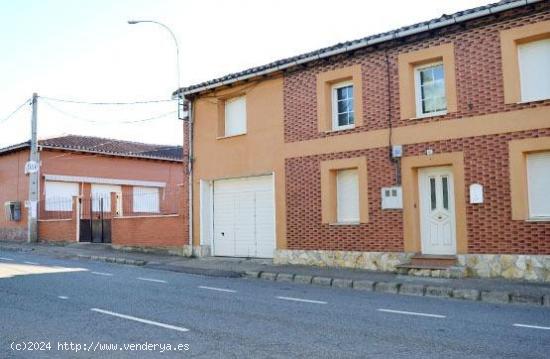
133, 22
190, 123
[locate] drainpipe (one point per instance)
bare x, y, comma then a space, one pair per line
190, 172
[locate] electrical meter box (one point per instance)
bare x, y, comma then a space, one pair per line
392, 197
12, 210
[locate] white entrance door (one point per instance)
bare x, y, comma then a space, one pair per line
437, 211
244, 217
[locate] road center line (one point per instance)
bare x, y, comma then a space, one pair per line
102, 273
531, 326
218, 289
152, 280
140, 320
5, 259
63, 297
33, 263
302, 300
412, 313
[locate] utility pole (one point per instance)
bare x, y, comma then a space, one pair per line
32, 168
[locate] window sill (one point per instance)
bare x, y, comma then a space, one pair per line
430, 115
340, 129
230, 136
337, 224
531, 101
540, 219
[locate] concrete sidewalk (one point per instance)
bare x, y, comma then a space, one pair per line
488, 290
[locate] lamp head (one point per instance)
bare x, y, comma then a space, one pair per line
133, 22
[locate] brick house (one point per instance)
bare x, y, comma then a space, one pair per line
420, 149
97, 190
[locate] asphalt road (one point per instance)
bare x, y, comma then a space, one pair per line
78, 309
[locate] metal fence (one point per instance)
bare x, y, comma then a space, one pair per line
153, 202
133, 203
55, 208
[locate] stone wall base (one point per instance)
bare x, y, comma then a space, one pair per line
509, 266
13, 234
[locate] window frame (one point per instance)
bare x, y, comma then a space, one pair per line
510, 39
329, 169
334, 104
418, 90
245, 120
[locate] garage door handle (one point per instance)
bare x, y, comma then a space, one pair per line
223, 233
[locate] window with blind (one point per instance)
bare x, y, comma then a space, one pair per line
538, 182
347, 196
235, 116
534, 69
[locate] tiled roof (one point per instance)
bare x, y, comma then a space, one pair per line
107, 146
279, 65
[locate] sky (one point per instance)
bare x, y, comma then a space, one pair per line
85, 51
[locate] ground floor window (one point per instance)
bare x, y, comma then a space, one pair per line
538, 182
59, 195
347, 196
146, 200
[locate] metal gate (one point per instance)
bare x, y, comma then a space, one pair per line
95, 220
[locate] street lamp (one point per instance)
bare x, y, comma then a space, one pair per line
133, 22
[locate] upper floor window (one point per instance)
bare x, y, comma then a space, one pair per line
235, 116
343, 116
430, 90
534, 68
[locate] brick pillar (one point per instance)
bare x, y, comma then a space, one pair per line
76, 217
114, 208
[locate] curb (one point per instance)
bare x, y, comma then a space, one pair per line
412, 289
116, 260
15, 249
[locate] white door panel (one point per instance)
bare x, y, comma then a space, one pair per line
244, 217
437, 211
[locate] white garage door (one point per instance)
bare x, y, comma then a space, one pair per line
244, 217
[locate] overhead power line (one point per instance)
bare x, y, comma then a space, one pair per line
27, 101
79, 118
107, 103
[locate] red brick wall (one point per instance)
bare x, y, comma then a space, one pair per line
489, 225
63, 230
478, 77
490, 228
159, 231
14, 186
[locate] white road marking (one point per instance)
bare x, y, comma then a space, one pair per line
531, 326
302, 300
33, 263
5, 259
102, 273
412, 313
140, 320
63, 297
218, 289
152, 280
